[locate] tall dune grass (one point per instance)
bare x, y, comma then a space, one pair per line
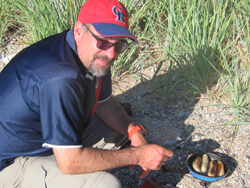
42, 18
199, 45
6, 18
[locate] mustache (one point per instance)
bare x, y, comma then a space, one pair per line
104, 58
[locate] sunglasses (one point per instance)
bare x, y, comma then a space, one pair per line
102, 44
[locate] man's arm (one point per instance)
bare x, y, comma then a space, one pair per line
84, 160
115, 116
112, 113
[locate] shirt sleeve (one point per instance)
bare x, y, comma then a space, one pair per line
106, 88
61, 111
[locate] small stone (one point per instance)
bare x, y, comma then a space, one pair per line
156, 116
242, 184
195, 138
182, 115
5, 60
189, 128
142, 113
247, 159
2, 57
197, 146
163, 115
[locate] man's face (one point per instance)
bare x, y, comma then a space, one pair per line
96, 60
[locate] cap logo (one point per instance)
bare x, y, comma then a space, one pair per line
119, 14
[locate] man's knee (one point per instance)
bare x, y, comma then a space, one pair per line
109, 181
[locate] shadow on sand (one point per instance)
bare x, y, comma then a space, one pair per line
167, 127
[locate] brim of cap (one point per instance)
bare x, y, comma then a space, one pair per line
113, 30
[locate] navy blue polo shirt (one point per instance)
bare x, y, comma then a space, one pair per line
46, 99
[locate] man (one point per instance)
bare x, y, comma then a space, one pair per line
53, 132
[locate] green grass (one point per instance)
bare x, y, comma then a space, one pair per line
44, 18
7, 20
198, 45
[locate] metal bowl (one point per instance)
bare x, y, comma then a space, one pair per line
203, 176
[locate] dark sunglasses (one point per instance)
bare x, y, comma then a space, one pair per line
105, 45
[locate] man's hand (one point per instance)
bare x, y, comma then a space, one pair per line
152, 157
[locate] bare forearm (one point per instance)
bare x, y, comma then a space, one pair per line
112, 113
78, 160
91, 159
115, 116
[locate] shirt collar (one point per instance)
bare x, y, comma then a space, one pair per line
71, 41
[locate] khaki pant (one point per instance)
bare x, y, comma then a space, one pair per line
43, 172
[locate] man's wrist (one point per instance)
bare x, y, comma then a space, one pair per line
136, 129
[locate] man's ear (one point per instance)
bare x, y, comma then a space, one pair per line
78, 31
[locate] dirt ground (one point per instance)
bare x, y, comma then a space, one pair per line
187, 128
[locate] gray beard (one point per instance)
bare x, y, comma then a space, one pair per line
99, 71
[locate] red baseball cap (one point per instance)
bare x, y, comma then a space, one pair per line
109, 18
